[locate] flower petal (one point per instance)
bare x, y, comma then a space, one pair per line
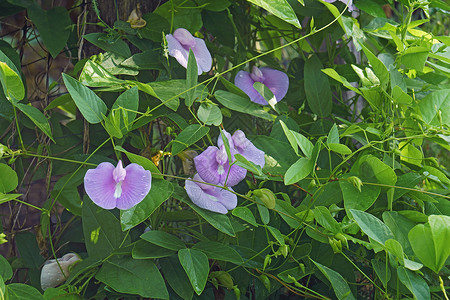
276, 81
202, 55
228, 199
220, 140
207, 166
177, 50
245, 83
247, 149
203, 199
135, 186
237, 174
100, 185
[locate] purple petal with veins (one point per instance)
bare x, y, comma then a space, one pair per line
110, 187
212, 198
247, 149
181, 42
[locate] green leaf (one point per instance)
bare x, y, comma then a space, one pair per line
400, 96
11, 82
20, 291
102, 41
163, 239
169, 92
340, 286
380, 270
8, 179
188, 136
248, 165
379, 68
210, 114
278, 155
317, 88
279, 8
241, 104
302, 168
146, 250
340, 148
96, 75
276, 234
129, 276
245, 214
333, 135
218, 221
325, 219
67, 189
410, 154
191, 79
176, 277
396, 249
54, 26
414, 57
218, 251
400, 227
37, 117
264, 91
333, 74
102, 232
195, 264
374, 170
435, 107
416, 284
372, 226
290, 136
160, 191
142, 161
90, 105
127, 100
361, 200
156, 24
5, 269
8, 197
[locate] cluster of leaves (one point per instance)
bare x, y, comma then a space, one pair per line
347, 203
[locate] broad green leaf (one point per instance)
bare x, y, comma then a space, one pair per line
159, 192
276, 234
305, 145
191, 79
440, 230
339, 284
127, 100
37, 117
8, 197
333, 135
361, 200
416, 284
414, 57
372, 226
279, 8
325, 219
264, 91
66, 188
102, 232
373, 170
54, 27
400, 227
278, 155
188, 136
20, 291
245, 214
210, 114
142, 161
195, 264
290, 136
176, 277
5, 269
163, 239
435, 107
410, 154
218, 221
90, 105
302, 168
396, 249
379, 68
169, 92
400, 96
287, 213
333, 74
317, 88
383, 273
129, 276
11, 82
241, 104
8, 179
219, 251
95, 75
116, 46
146, 250
340, 148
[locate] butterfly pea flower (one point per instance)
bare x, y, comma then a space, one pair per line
276, 81
51, 274
120, 187
244, 147
351, 6
179, 45
210, 197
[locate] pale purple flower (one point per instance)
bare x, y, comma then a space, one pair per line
351, 7
51, 274
111, 187
244, 147
213, 167
210, 197
276, 81
179, 44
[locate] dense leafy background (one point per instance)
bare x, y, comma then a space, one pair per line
353, 201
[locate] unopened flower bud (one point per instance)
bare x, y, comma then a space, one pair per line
51, 275
266, 196
357, 183
335, 245
224, 278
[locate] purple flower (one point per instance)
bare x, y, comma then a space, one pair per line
276, 81
351, 7
210, 197
179, 44
110, 187
244, 147
213, 167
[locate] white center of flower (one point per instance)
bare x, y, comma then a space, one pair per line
184, 37
256, 74
220, 170
118, 190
